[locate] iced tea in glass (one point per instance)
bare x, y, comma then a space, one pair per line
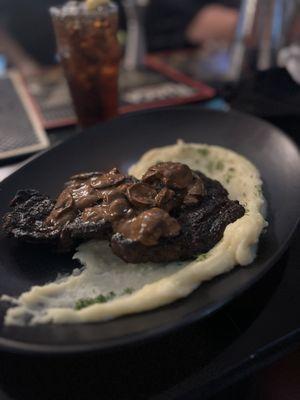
89, 51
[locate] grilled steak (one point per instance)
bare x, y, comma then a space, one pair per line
26, 220
202, 227
172, 213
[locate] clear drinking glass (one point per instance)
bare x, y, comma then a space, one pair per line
265, 27
89, 52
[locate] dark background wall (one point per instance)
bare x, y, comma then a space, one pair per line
29, 23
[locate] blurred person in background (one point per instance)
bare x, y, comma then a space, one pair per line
27, 38
177, 23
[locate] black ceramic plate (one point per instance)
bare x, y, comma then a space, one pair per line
120, 143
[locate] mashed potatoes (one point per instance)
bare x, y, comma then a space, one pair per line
127, 288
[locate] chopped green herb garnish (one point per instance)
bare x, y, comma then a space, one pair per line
229, 174
202, 257
228, 178
110, 296
210, 166
219, 165
216, 165
203, 152
83, 303
128, 290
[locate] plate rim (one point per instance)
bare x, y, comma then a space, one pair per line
92, 130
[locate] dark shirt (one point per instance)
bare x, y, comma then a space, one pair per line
28, 21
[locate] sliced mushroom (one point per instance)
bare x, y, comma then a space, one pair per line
165, 199
111, 178
63, 211
149, 226
173, 175
141, 195
195, 192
